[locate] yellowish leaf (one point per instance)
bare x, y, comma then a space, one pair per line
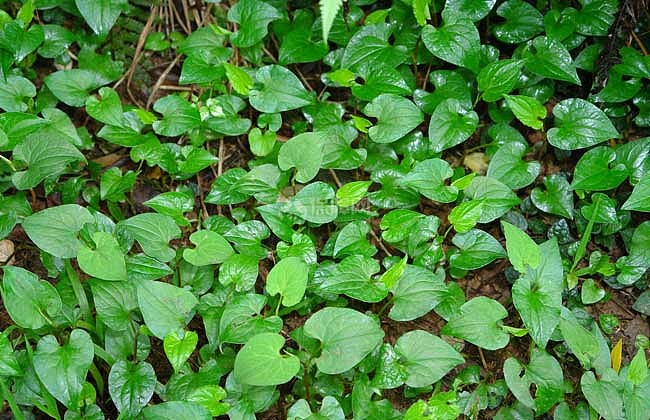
617, 355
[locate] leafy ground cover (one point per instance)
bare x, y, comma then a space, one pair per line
415, 209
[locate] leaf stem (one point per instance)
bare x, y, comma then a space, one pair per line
7, 396
8, 162
582, 247
79, 292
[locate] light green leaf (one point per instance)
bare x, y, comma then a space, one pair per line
63, 369
165, 308
177, 349
258, 362
303, 152
472, 9
522, 250
342, 348
288, 278
174, 410
73, 86
328, 10
527, 110
496, 197
106, 261
211, 248
523, 21
54, 230
479, 322
604, 394
314, 203
466, 215
428, 178
351, 193
427, 358
240, 80
13, 93
396, 117
107, 109
537, 294
114, 302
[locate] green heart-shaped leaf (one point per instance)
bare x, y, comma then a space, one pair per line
258, 362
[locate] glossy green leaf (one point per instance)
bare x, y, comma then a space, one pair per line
549, 58
451, 124
639, 200
499, 78
508, 167
477, 249
314, 203
523, 21
131, 386
579, 124
429, 177
557, 199
253, 17
416, 292
456, 42
178, 349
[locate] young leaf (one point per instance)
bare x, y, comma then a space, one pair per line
342, 348
522, 251
428, 177
279, 90
253, 17
288, 278
106, 261
499, 78
258, 362
508, 167
177, 349
352, 192
527, 110
477, 249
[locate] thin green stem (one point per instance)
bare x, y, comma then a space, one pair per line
7, 396
79, 292
586, 235
8, 162
104, 355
